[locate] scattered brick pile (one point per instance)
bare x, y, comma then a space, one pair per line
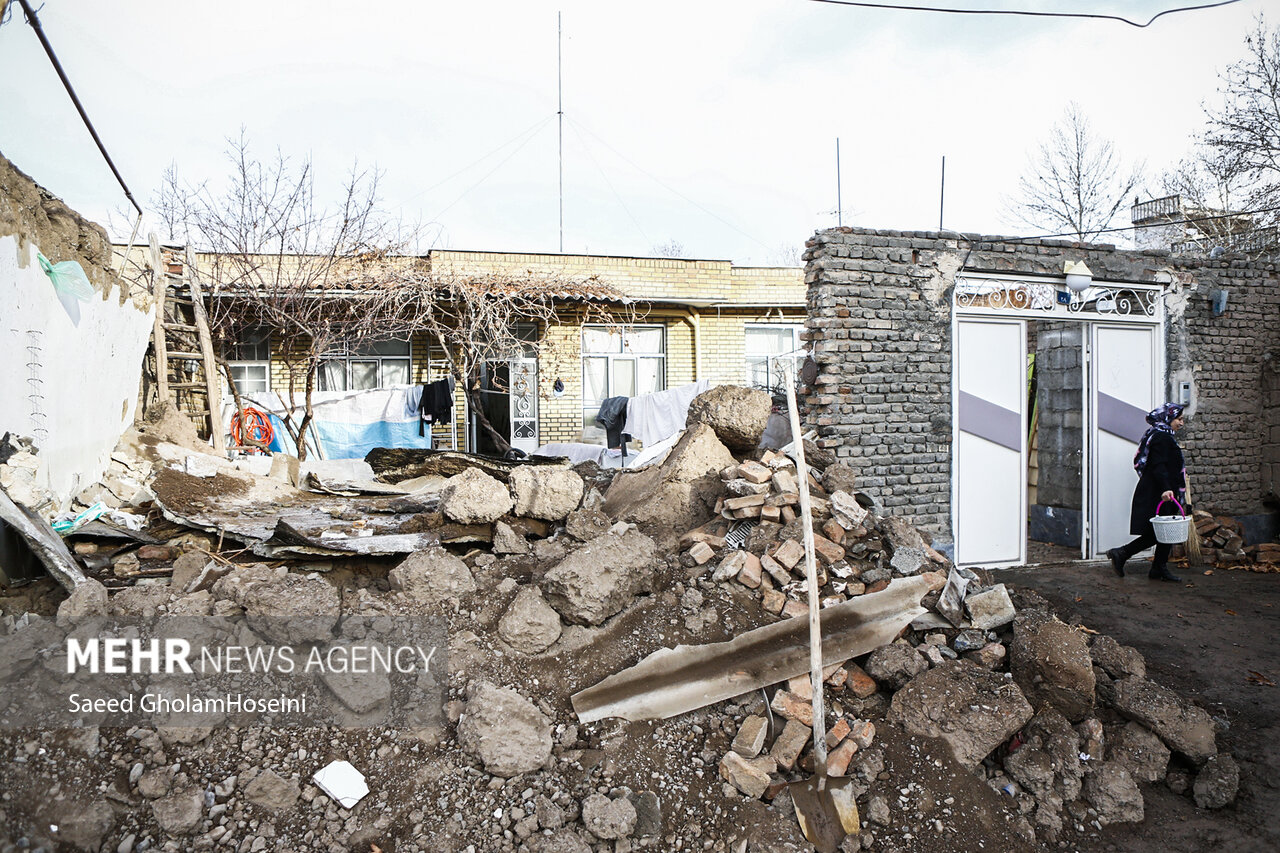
1222, 543
758, 536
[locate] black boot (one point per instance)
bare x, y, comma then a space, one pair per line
1163, 575
1117, 558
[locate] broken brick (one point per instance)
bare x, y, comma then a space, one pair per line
839, 758
837, 678
833, 531
788, 515
784, 482
801, 686
827, 551
837, 732
863, 732
878, 586
749, 575
773, 601
794, 609
751, 736
787, 747
745, 501
729, 567
771, 513
157, 552
754, 472
858, 682
792, 707
776, 570
750, 776
701, 552
789, 553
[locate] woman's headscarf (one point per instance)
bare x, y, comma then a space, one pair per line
1160, 420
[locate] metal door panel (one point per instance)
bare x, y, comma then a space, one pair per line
1124, 389
991, 468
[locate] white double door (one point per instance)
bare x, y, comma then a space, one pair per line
989, 494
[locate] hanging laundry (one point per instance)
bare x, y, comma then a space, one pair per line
653, 417
613, 417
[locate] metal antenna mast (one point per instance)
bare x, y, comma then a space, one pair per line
560, 117
942, 191
839, 203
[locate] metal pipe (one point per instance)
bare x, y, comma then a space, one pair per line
57, 66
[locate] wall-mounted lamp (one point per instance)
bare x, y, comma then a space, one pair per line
1079, 276
1218, 299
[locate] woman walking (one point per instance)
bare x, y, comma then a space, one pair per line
1161, 477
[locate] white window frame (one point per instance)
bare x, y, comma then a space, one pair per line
261, 360
591, 407
797, 353
348, 355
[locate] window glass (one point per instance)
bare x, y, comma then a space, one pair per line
596, 339
364, 375
645, 340
624, 378
595, 386
383, 348
395, 371
332, 375
649, 378
767, 340
250, 378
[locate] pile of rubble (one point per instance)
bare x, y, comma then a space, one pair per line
1222, 544
970, 723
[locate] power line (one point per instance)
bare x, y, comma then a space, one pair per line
1024, 12
62, 75
609, 184
489, 174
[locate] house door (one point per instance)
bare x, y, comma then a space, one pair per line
1124, 388
509, 397
990, 508
524, 403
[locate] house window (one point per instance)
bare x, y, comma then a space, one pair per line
769, 349
619, 363
250, 361
365, 367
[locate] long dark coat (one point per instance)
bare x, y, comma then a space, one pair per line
1162, 474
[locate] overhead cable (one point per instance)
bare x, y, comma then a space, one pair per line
1025, 12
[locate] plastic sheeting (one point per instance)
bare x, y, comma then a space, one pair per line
347, 424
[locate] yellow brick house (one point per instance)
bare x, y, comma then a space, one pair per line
694, 319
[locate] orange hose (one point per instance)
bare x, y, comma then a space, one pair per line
253, 431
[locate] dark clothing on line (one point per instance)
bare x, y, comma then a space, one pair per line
436, 405
613, 417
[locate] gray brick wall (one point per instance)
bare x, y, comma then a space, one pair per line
879, 323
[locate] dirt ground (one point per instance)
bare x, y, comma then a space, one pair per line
1201, 638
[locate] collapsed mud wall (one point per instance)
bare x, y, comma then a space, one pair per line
880, 327
71, 366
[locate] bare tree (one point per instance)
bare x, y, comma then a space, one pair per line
1076, 182
1211, 185
1245, 130
474, 318
272, 255
671, 249
787, 255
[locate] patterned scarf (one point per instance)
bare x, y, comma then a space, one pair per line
1160, 419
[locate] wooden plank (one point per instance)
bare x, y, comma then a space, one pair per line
210, 363
157, 333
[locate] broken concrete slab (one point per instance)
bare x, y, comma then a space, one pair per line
473, 497
1217, 783
601, 577
972, 709
530, 625
43, 542
1183, 727
673, 681
432, 575
990, 608
738, 415
504, 730
1051, 663
895, 664
1113, 794
543, 491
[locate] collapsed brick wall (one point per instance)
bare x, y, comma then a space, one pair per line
880, 325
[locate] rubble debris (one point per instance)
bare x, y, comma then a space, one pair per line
473, 497
973, 709
750, 776
1183, 727
1118, 661
272, 792
1217, 782
507, 541
738, 415
179, 813
343, 782
1135, 748
750, 739
290, 608
1113, 794
1050, 662
546, 492
601, 577
990, 608
432, 575
672, 681
608, 819
43, 542
504, 730
530, 625
895, 664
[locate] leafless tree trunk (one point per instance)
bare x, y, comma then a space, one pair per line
1076, 182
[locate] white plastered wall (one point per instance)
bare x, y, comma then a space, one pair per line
69, 370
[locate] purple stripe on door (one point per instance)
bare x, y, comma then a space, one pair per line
1120, 418
987, 420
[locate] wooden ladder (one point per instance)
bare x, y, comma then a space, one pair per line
186, 370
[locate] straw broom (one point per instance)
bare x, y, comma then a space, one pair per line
1195, 557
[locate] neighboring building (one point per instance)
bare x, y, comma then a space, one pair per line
1174, 224
698, 319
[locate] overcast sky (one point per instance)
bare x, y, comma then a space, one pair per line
710, 124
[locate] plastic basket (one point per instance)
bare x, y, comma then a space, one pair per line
1171, 529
